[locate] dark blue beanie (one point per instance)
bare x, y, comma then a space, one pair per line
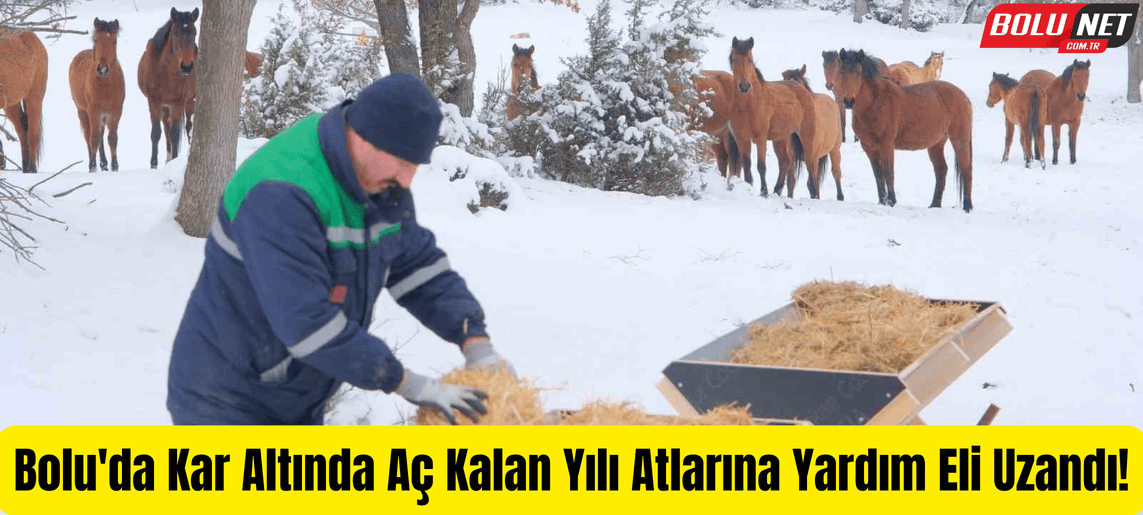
398, 114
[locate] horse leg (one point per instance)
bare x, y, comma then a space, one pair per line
887, 176
34, 111
176, 132
156, 132
1055, 143
940, 172
189, 110
1026, 144
835, 167
85, 124
875, 164
113, 140
167, 130
15, 114
841, 111
1009, 127
1073, 130
100, 127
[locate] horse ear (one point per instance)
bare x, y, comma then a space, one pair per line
825, 53
842, 54
861, 55
174, 13
1087, 64
734, 41
194, 15
750, 43
515, 48
531, 49
803, 72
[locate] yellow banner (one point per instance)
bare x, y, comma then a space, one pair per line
574, 469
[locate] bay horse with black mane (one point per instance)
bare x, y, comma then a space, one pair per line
1026, 105
98, 90
1066, 95
830, 65
891, 117
827, 141
778, 111
23, 83
523, 72
166, 77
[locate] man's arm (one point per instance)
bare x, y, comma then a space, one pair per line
422, 281
282, 244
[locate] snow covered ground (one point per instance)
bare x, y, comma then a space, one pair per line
595, 293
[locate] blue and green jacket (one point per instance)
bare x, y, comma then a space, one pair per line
293, 266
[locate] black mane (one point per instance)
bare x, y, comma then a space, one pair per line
1006, 82
160, 39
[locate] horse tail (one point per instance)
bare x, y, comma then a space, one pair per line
25, 123
960, 170
1034, 123
799, 155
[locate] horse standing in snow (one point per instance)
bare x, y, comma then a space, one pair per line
98, 89
890, 117
1066, 95
827, 141
166, 77
23, 83
1026, 105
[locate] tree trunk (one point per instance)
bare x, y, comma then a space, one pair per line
397, 36
218, 90
860, 9
905, 13
1135, 64
968, 11
438, 27
465, 93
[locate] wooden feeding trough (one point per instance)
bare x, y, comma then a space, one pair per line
707, 377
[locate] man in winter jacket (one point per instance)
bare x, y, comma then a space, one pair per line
309, 231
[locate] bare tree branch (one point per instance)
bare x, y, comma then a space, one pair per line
68, 192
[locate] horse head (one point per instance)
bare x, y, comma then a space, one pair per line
182, 39
742, 62
936, 62
830, 65
850, 75
1001, 84
523, 68
105, 37
797, 75
1076, 76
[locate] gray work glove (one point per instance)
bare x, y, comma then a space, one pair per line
428, 392
481, 355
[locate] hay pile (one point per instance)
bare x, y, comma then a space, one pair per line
849, 326
512, 402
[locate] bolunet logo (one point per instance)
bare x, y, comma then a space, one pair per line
1071, 28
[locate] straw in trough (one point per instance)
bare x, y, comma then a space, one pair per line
850, 326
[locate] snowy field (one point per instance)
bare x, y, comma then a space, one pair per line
594, 293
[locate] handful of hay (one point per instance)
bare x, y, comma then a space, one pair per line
849, 326
512, 402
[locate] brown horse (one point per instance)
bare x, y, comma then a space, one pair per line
253, 64
716, 89
1066, 95
827, 141
97, 88
523, 72
1026, 105
830, 65
23, 82
907, 73
166, 77
892, 117
782, 112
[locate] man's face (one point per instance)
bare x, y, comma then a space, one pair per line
376, 169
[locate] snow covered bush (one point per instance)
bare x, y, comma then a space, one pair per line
480, 182
308, 68
613, 120
923, 14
